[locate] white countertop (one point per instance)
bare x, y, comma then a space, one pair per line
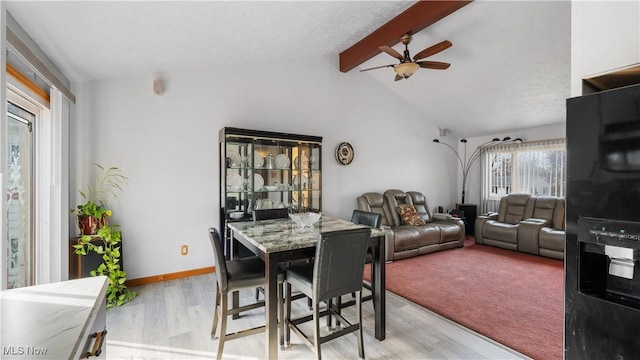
48, 321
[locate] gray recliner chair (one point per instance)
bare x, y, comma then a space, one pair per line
501, 229
374, 202
452, 231
529, 230
552, 238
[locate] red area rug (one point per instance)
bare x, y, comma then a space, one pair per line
513, 298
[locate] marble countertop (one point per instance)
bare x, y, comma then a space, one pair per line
283, 234
48, 321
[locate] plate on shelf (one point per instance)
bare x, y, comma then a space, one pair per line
235, 181
303, 184
304, 162
258, 160
282, 161
236, 159
258, 182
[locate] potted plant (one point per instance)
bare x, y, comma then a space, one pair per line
93, 214
109, 250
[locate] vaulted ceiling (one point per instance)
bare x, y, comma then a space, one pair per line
510, 60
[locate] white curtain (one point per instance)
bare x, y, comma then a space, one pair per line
536, 167
55, 160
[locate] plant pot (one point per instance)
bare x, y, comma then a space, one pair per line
89, 225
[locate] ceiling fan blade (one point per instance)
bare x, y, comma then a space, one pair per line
398, 77
433, 65
377, 67
433, 50
391, 52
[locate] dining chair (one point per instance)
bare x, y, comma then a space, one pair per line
266, 214
372, 220
335, 271
235, 275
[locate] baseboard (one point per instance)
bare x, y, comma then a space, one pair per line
170, 276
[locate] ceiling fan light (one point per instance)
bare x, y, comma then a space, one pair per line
406, 69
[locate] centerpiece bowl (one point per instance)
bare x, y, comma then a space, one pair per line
305, 219
236, 215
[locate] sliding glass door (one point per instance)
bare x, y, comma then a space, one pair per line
19, 195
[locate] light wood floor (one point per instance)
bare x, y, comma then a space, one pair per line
172, 320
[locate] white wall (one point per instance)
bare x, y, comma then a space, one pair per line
555, 131
168, 146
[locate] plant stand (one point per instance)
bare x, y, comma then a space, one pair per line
80, 266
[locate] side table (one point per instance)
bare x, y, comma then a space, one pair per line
470, 214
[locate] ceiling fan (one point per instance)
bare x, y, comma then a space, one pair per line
408, 67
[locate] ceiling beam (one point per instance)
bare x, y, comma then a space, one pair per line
411, 21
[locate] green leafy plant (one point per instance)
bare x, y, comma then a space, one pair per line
93, 213
109, 181
117, 292
93, 209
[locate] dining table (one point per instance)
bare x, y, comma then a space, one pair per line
279, 241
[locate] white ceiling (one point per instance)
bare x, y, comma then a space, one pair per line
510, 59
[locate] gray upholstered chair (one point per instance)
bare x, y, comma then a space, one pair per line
336, 271
529, 229
372, 220
366, 218
235, 275
266, 214
501, 229
552, 237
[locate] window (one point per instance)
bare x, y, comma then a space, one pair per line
536, 168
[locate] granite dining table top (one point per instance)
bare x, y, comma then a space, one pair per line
283, 234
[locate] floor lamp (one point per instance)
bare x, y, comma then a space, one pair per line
466, 163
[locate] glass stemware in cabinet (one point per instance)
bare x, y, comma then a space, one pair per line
312, 161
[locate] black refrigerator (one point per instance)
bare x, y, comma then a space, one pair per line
602, 268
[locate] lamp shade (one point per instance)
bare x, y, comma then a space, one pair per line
406, 69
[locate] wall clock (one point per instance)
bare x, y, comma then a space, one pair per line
344, 153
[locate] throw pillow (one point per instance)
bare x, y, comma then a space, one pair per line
409, 216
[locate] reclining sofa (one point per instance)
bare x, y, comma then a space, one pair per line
404, 240
526, 223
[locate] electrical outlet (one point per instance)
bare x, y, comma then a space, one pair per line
184, 249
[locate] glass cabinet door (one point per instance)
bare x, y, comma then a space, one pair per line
236, 172
307, 177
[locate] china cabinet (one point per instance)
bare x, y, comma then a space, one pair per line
267, 170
